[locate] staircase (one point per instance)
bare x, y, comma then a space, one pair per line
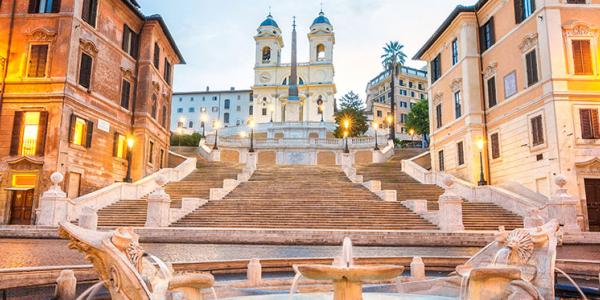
307, 197
476, 215
132, 213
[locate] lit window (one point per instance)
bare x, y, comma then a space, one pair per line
30, 133
120, 146
79, 131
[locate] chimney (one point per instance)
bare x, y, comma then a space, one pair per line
232, 88
207, 88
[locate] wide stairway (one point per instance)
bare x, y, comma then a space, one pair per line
476, 215
196, 185
310, 197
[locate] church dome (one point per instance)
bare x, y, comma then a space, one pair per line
269, 22
321, 19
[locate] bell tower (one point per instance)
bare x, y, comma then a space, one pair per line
268, 43
321, 39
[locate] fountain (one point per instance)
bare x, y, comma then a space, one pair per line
347, 277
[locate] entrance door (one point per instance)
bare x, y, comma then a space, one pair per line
592, 195
22, 207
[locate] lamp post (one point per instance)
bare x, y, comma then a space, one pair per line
179, 133
412, 137
130, 143
346, 134
203, 119
216, 127
272, 110
390, 121
321, 112
251, 124
480, 144
375, 127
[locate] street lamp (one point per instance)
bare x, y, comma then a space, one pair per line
390, 121
216, 126
347, 125
179, 134
321, 112
375, 127
480, 144
251, 124
130, 143
203, 120
272, 110
346, 149
412, 137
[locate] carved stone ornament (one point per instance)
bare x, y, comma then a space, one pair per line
490, 70
156, 87
438, 97
127, 73
41, 35
580, 29
456, 85
88, 46
529, 42
521, 247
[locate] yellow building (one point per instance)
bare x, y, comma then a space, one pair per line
524, 77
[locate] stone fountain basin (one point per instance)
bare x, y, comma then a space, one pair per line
354, 273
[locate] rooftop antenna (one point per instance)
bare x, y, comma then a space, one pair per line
294, 24
321, 6
269, 10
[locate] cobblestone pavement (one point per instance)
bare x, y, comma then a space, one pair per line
34, 253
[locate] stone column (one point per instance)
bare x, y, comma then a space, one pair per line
450, 212
563, 206
54, 204
159, 205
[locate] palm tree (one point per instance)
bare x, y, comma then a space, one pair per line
392, 59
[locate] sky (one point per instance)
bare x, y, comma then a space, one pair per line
216, 37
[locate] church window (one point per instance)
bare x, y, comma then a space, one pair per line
320, 52
266, 55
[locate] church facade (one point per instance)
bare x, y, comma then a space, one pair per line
294, 92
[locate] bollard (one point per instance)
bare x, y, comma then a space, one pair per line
66, 286
254, 273
88, 218
417, 269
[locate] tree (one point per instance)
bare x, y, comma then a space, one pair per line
393, 57
351, 109
418, 120
189, 140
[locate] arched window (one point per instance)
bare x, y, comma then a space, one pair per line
320, 52
163, 120
300, 81
153, 107
266, 55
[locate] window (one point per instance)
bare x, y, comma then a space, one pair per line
80, 131
191, 109
38, 57
402, 118
180, 109
120, 146
151, 152
537, 131
167, 71
491, 92
266, 55
125, 93
44, 6
89, 11
320, 52
438, 115
238, 108
192, 99
589, 124
436, 68
156, 60
403, 104
379, 114
461, 153
510, 84
264, 111
251, 110
420, 86
410, 84
215, 109
130, 41
523, 9
582, 57
401, 82
454, 52
532, 69
487, 35
85, 70
153, 106
412, 94
191, 124
422, 96
457, 105
29, 133
226, 118
161, 163
495, 143
227, 104
163, 121
214, 98
441, 160
203, 109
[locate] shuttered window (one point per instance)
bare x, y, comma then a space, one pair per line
457, 105
80, 131
151, 153
523, 9
495, 143
120, 146
590, 129
441, 160
38, 58
532, 68
156, 56
436, 68
29, 133
582, 57
125, 94
89, 11
85, 71
167, 73
130, 41
454, 52
163, 121
487, 35
537, 131
43, 6
491, 91
438, 115
461, 153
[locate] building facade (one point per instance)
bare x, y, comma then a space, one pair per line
195, 110
80, 78
521, 77
411, 87
296, 92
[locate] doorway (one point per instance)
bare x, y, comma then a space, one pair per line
21, 207
592, 195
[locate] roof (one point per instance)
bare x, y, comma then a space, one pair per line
210, 92
269, 21
458, 10
403, 70
321, 19
165, 29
